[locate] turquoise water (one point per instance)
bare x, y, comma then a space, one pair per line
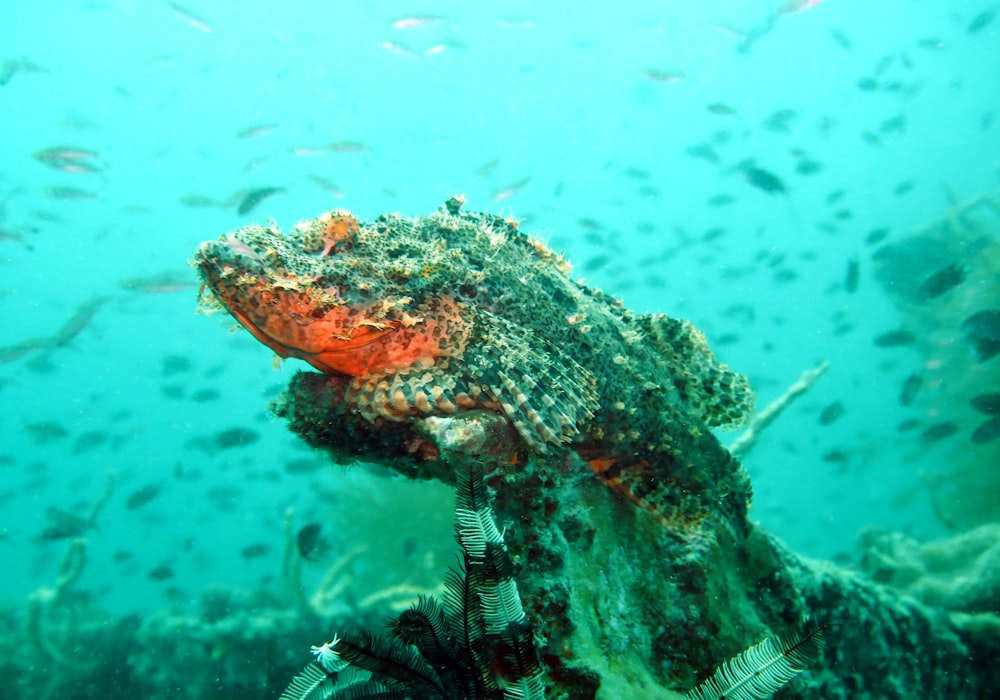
616, 131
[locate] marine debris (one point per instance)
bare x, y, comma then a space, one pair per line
427, 324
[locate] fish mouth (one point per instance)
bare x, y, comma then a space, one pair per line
288, 333
216, 260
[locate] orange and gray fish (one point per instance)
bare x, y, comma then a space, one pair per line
190, 17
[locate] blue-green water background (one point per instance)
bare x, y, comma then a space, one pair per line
557, 96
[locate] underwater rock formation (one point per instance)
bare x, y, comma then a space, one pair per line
427, 324
959, 574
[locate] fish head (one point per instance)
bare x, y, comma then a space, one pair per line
346, 299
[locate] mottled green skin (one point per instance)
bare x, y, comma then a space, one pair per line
568, 364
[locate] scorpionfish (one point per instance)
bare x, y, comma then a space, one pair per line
458, 311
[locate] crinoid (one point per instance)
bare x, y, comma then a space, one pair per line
758, 672
475, 643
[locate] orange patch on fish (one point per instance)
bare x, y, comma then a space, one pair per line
294, 318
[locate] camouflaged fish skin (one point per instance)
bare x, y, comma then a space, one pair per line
458, 311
